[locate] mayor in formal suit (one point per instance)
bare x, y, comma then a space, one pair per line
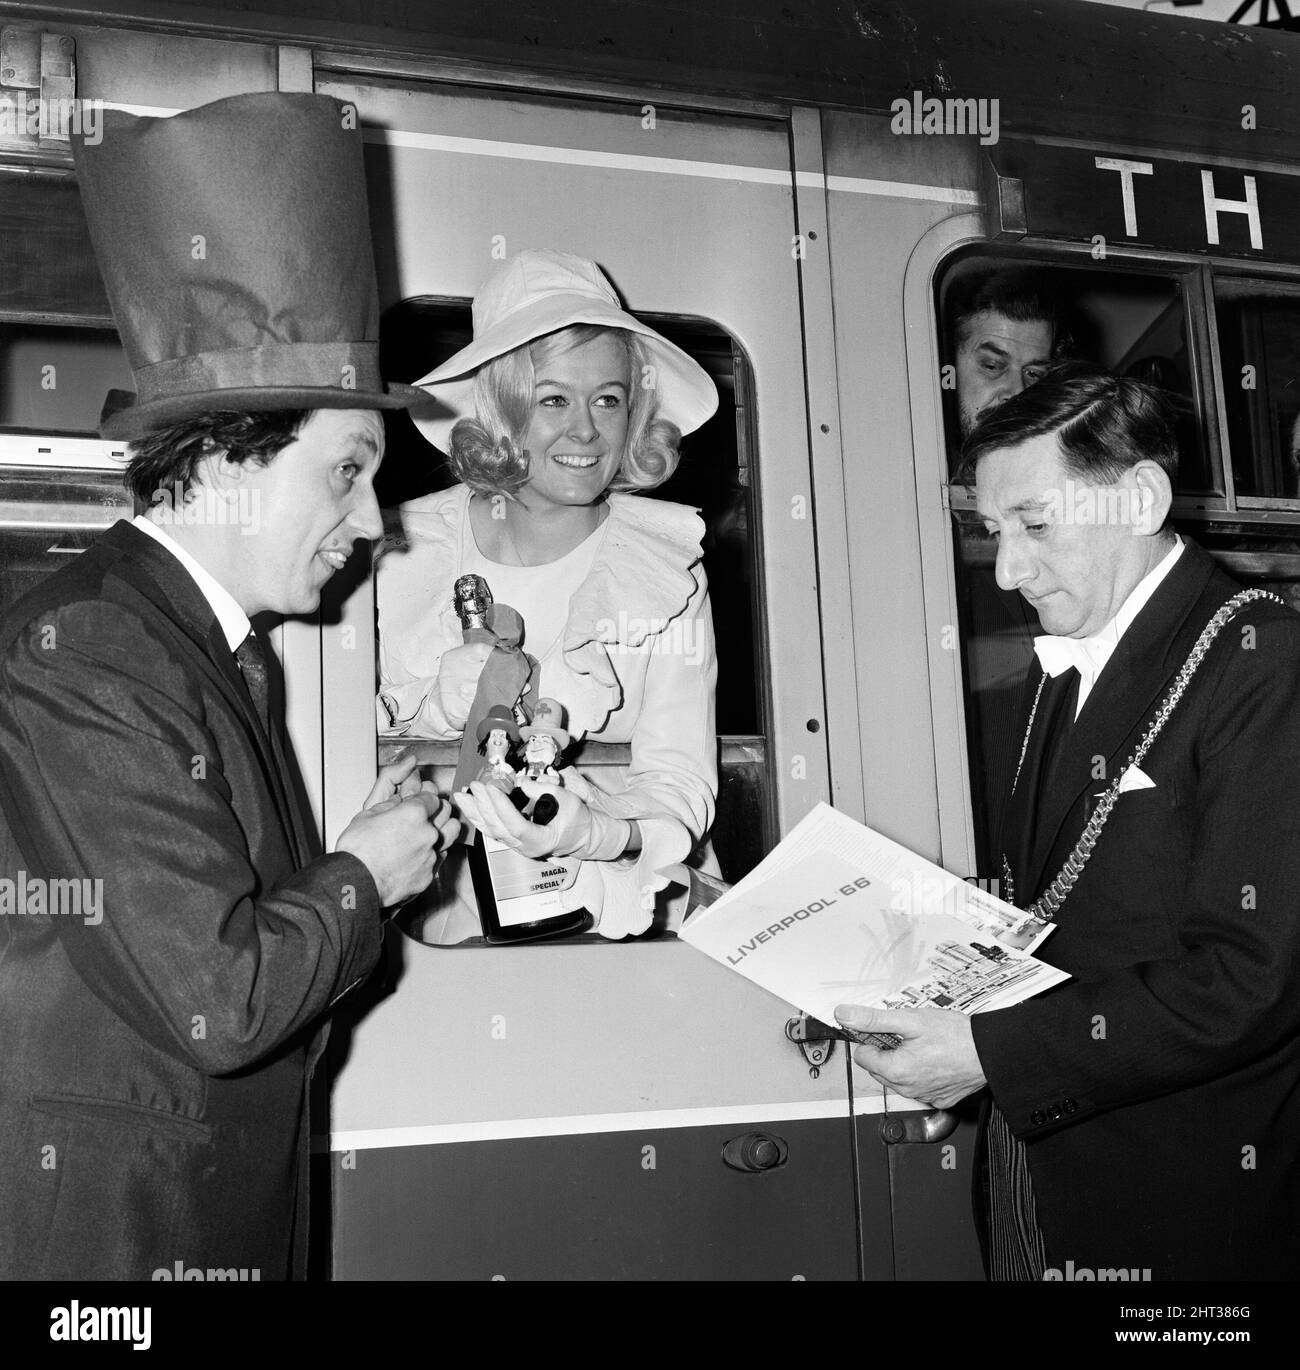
1143, 1117
173, 936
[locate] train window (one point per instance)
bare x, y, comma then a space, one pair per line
1003, 320
54, 379
52, 383
49, 514
713, 476
1259, 349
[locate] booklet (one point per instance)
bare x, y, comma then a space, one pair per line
839, 914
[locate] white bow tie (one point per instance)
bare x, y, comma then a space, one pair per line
1088, 656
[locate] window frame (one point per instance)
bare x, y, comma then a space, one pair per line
963, 236
1284, 283
737, 750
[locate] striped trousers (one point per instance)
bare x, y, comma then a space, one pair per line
1013, 1242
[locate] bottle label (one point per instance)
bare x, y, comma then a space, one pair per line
527, 888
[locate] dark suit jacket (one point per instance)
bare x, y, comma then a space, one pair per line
1158, 1093
153, 1094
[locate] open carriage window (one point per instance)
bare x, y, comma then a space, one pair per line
1003, 321
713, 476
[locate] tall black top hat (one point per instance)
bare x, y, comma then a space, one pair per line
235, 245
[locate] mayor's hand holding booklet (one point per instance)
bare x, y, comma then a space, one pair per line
839, 914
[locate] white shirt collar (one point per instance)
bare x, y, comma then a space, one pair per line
233, 620
1143, 591
1089, 655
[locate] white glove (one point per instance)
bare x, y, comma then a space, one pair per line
457, 681
576, 830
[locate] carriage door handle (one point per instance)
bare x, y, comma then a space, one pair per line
755, 1152
931, 1126
817, 1040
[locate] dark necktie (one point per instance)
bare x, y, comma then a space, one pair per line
252, 666
1060, 727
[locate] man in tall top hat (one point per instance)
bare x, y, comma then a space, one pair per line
160, 1026
1144, 1114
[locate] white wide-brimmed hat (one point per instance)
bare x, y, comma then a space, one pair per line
536, 292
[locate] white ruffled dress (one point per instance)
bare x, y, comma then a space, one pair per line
636, 663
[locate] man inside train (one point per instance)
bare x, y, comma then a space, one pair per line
163, 995
1005, 325
1142, 1115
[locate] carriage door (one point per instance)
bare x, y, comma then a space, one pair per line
562, 1110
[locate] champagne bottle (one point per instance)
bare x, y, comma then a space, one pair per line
518, 896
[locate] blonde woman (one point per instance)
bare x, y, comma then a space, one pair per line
560, 408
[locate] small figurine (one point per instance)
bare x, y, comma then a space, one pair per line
497, 731
544, 740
